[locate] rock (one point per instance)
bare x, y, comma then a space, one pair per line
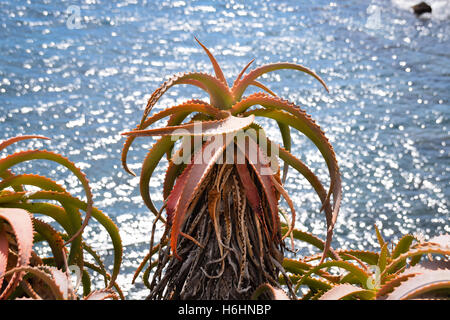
422, 7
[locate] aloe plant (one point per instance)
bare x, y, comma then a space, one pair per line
412, 269
222, 236
25, 274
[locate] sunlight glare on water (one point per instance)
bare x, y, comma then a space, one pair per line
83, 80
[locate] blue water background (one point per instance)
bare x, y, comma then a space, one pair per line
82, 80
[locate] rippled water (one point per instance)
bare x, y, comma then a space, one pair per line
83, 81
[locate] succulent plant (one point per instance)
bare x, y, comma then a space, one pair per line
25, 274
412, 269
222, 228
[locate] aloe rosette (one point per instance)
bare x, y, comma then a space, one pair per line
32, 276
204, 184
411, 269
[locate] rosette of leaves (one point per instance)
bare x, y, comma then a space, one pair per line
222, 234
25, 274
410, 269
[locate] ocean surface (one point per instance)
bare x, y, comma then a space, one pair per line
80, 73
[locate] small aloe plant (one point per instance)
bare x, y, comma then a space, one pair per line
412, 269
222, 229
23, 273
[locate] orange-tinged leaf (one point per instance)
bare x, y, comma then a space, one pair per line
175, 119
242, 72
175, 194
420, 284
261, 86
43, 273
285, 195
149, 165
442, 240
426, 248
390, 285
10, 141
22, 226
295, 117
217, 69
218, 91
4, 250
250, 189
202, 128
263, 172
277, 293
63, 281
240, 86
203, 161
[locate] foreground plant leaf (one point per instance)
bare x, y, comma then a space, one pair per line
219, 93
421, 284
206, 128
13, 140
343, 291
22, 226
373, 275
23, 156
47, 273
277, 294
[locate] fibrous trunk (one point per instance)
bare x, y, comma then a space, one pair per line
233, 250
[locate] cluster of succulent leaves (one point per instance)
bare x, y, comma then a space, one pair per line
24, 273
410, 269
397, 272
227, 112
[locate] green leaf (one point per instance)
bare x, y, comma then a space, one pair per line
104, 220
32, 180
371, 258
359, 273
219, 92
54, 240
382, 260
403, 245
20, 157
149, 165
286, 136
